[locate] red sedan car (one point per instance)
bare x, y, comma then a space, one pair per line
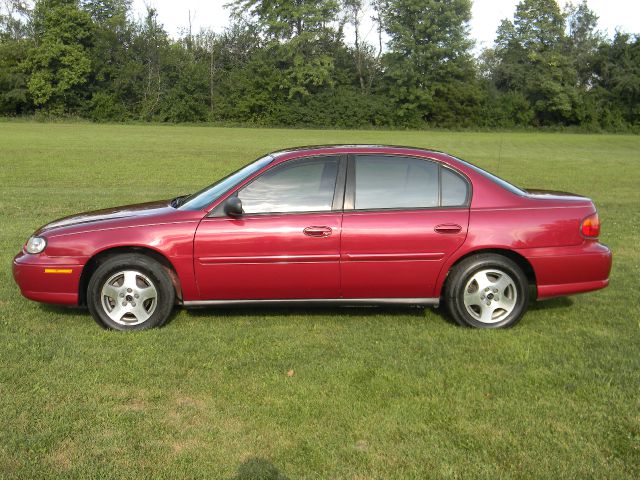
349, 224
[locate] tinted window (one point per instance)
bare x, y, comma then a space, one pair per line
395, 182
454, 188
305, 185
503, 183
212, 192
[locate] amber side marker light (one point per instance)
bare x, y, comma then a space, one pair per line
590, 227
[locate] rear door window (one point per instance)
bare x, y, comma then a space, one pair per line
395, 182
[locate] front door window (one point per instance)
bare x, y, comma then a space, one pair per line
305, 185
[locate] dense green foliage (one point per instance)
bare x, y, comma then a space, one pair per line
377, 393
429, 69
304, 62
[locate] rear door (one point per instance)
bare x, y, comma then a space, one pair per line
286, 245
403, 217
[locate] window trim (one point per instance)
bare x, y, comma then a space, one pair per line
350, 190
338, 192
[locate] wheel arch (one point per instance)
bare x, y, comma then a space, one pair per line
520, 260
98, 258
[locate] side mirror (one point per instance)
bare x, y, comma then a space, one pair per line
233, 207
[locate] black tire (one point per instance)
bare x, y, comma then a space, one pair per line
473, 302
133, 279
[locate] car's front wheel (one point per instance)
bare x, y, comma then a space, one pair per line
487, 291
130, 292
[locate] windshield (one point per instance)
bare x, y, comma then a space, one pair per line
208, 195
503, 183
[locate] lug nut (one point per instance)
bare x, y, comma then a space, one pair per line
124, 304
136, 295
133, 304
129, 290
122, 294
488, 303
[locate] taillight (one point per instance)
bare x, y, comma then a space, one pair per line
590, 227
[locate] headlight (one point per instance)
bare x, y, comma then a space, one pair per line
35, 245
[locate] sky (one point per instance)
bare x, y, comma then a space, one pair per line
487, 14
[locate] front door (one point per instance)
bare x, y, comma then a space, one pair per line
286, 245
404, 216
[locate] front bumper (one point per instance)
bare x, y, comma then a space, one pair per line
48, 279
569, 270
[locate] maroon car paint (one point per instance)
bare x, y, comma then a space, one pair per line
268, 257
359, 254
397, 253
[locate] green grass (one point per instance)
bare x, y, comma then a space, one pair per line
377, 393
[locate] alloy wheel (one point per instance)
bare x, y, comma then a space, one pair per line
490, 295
129, 297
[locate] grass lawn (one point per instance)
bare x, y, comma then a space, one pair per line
377, 393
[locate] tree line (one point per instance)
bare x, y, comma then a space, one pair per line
307, 63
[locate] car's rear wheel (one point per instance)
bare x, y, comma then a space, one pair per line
130, 292
487, 291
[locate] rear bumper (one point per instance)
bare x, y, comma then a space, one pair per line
47, 279
550, 291
569, 270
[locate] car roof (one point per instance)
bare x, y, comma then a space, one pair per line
355, 148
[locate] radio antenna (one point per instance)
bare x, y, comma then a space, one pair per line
500, 154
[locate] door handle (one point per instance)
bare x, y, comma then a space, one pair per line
317, 231
448, 228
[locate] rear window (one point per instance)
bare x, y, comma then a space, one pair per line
503, 183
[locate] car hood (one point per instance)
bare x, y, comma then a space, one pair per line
127, 211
